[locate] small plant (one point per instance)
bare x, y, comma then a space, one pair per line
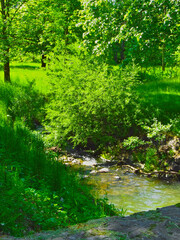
151, 159
133, 142
157, 131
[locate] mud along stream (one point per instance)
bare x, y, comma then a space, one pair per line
125, 190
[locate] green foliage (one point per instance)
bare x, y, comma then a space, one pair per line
176, 125
91, 104
177, 55
37, 191
22, 102
151, 159
133, 142
126, 31
178, 205
157, 131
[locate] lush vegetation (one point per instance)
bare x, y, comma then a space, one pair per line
101, 75
37, 191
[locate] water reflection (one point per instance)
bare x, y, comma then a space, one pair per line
136, 193
127, 190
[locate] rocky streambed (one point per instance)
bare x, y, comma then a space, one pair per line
128, 191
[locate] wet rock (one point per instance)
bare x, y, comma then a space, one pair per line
117, 177
174, 144
104, 170
140, 165
93, 172
177, 159
55, 149
175, 167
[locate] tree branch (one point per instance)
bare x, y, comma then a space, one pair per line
17, 9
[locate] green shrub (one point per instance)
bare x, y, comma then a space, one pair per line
22, 102
133, 142
157, 131
151, 159
91, 105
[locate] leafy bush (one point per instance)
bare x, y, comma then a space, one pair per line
91, 105
151, 159
157, 130
22, 103
133, 142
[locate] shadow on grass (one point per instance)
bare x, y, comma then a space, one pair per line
166, 102
25, 67
156, 87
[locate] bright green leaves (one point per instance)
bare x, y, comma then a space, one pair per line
148, 28
90, 104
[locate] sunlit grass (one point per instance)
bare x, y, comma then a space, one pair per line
21, 73
162, 91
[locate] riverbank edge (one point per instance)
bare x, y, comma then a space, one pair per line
153, 160
162, 223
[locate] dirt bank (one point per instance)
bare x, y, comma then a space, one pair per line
160, 224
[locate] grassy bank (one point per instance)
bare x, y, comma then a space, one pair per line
37, 191
22, 73
162, 91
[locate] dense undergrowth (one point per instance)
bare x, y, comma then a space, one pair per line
37, 191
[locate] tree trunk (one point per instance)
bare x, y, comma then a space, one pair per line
5, 15
7, 71
43, 63
163, 57
116, 57
122, 50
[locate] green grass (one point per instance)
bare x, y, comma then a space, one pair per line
162, 92
25, 97
21, 73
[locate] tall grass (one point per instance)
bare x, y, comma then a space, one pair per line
36, 190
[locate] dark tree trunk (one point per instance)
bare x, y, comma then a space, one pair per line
5, 16
119, 50
116, 57
43, 63
7, 71
163, 57
122, 50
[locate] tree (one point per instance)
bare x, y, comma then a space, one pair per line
52, 23
146, 30
9, 11
154, 25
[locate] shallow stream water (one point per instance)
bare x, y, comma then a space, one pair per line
129, 191
134, 193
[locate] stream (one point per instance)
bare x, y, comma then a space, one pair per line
127, 191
